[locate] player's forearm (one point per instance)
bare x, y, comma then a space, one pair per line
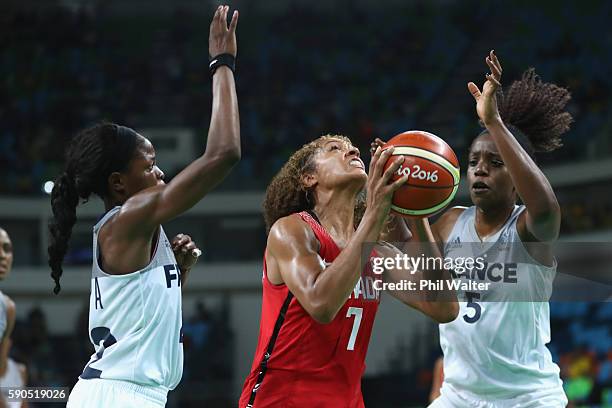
184, 275
334, 285
224, 132
531, 184
437, 301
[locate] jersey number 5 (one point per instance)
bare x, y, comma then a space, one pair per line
477, 308
354, 311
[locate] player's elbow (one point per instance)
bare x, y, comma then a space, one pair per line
442, 312
222, 161
322, 313
323, 318
447, 313
230, 156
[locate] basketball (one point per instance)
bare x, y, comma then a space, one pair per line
433, 171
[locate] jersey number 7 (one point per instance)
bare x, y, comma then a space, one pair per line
357, 312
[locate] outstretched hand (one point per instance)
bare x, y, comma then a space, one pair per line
486, 102
378, 142
222, 38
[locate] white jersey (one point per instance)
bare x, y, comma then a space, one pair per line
497, 349
3, 319
12, 378
135, 320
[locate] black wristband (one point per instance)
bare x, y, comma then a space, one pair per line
222, 59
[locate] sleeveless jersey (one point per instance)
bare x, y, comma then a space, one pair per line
12, 378
3, 319
135, 320
496, 347
299, 362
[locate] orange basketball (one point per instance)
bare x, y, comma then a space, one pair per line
433, 171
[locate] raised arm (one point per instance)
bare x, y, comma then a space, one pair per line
542, 219
293, 248
156, 205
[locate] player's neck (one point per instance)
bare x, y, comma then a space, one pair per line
336, 210
110, 203
489, 221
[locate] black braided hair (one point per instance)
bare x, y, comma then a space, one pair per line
91, 157
534, 111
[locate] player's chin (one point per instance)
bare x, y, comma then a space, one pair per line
359, 175
484, 200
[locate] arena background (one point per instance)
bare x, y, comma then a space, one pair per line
363, 68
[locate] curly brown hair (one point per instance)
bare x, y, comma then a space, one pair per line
537, 110
286, 193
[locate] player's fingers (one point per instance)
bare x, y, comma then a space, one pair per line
375, 156
185, 239
234, 21
495, 60
493, 80
399, 182
388, 174
473, 88
380, 164
377, 142
217, 17
494, 70
176, 240
190, 246
224, 17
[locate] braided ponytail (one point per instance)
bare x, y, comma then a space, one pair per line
92, 156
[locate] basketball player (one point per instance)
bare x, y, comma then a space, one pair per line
135, 304
7, 318
495, 353
14, 375
313, 341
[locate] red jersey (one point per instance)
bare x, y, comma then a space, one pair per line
302, 363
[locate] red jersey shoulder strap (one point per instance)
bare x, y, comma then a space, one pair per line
328, 249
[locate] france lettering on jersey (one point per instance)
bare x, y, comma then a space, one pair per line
135, 320
497, 349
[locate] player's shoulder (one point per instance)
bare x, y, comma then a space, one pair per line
445, 223
290, 230
10, 305
452, 213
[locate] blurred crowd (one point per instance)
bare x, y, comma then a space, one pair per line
581, 345
62, 69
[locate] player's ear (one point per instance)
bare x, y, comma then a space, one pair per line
309, 180
116, 184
